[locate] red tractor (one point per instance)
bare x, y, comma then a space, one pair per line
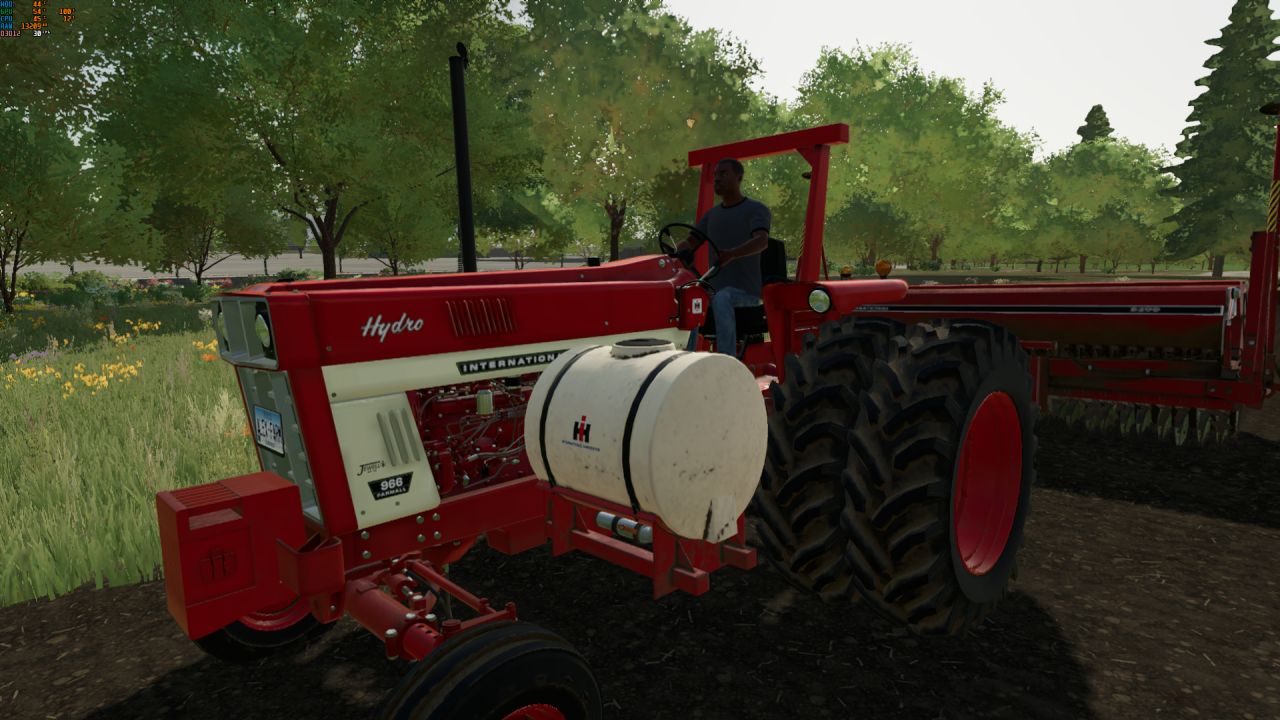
883, 438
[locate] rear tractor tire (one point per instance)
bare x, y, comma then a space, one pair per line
262, 634
900, 466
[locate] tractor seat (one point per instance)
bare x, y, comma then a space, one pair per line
752, 324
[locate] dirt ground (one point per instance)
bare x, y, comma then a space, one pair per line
1148, 589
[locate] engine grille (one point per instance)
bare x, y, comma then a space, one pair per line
400, 435
481, 316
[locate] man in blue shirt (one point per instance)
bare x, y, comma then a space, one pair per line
740, 227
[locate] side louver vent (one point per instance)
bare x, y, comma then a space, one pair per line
481, 316
400, 435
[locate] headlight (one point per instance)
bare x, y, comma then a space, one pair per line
819, 301
263, 331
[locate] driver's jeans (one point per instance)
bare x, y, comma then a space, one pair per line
722, 304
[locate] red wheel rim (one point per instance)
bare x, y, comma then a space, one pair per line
535, 712
988, 483
283, 617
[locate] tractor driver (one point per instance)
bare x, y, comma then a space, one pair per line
740, 227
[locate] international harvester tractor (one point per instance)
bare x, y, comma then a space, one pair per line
882, 439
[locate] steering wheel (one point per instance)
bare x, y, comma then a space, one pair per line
669, 248
664, 237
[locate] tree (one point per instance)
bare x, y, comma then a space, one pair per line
868, 229
1096, 125
403, 227
1227, 145
619, 93
254, 228
920, 144
192, 234
1109, 200
312, 102
55, 80
531, 222
56, 203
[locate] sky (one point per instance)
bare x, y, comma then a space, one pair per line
1052, 60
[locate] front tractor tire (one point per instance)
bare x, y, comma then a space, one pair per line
899, 468
500, 670
262, 634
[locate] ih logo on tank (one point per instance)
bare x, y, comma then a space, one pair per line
581, 435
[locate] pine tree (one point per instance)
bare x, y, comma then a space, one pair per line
1227, 145
1096, 125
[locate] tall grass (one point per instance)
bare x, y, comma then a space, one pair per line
35, 326
80, 464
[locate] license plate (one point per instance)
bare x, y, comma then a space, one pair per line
269, 429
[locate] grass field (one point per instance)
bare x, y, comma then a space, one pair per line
92, 426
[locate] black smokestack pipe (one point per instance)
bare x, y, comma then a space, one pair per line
462, 160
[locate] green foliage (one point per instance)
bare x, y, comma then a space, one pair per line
164, 294
1096, 125
270, 97
76, 326
926, 160
34, 282
198, 292
619, 92
401, 228
1227, 145
87, 280
292, 274
1108, 198
925, 265
73, 475
238, 128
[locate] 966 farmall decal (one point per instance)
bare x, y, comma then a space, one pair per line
390, 487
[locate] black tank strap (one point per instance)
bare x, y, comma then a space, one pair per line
631, 418
546, 407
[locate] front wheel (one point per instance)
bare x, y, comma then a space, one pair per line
501, 670
261, 634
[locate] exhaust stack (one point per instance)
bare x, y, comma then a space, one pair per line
462, 160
